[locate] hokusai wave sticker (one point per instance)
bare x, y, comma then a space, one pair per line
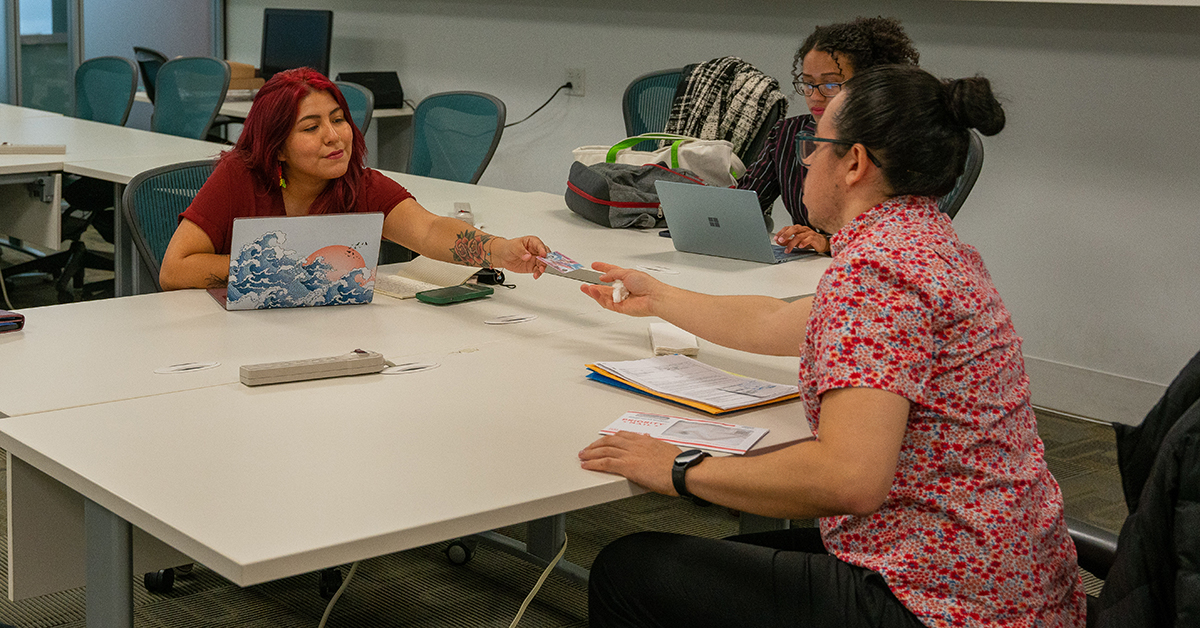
266, 274
304, 261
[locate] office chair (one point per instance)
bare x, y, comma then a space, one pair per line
152, 203
361, 102
647, 104
189, 91
104, 90
455, 135
149, 61
1174, 419
952, 202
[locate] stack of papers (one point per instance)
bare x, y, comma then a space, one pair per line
711, 435
692, 383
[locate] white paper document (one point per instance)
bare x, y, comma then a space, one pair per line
666, 339
419, 275
711, 435
681, 376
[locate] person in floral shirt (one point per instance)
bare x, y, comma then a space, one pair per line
935, 503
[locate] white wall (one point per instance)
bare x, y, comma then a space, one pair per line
1085, 208
176, 28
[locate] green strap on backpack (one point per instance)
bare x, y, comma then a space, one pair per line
676, 141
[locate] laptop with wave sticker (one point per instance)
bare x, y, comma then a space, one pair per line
302, 261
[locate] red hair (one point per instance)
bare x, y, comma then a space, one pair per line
270, 122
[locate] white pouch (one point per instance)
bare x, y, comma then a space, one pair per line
713, 160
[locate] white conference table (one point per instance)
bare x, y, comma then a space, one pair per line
303, 476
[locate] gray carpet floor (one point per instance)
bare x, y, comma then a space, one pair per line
420, 588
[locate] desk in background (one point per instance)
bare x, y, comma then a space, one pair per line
388, 138
93, 149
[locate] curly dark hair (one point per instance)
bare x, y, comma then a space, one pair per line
863, 43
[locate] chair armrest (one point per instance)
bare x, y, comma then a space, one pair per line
1097, 548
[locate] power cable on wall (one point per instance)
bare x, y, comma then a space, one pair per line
566, 85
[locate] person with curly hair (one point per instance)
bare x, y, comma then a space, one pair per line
825, 61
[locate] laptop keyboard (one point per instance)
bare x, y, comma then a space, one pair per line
795, 254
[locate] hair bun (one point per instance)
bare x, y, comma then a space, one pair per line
974, 106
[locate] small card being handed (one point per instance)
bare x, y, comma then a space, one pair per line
563, 266
560, 262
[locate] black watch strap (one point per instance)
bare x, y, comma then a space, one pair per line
683, 462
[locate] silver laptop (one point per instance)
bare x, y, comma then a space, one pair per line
301, 261
724, 222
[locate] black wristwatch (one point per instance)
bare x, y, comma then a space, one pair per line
683, 462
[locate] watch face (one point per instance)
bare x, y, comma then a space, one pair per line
688, 457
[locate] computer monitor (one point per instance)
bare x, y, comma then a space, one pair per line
294, 38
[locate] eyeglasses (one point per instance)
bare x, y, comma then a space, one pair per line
828, 90
806, 145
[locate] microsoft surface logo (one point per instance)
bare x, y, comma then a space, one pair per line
713, 222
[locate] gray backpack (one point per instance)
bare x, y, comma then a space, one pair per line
621, 195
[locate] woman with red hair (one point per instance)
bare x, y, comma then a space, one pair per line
299, 154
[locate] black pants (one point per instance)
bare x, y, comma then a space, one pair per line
776, 579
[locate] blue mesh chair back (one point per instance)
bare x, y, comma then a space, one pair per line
189, 91
361, 102
647, 104
104, 89
152, 203
455, 135
149, 61
952, 202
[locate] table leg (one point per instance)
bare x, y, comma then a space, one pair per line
545, 538
109, 596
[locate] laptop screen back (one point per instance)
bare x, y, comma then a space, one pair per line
303, 261
724, 222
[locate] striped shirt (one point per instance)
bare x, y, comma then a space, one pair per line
777, 172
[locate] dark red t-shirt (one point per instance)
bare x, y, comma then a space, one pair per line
232, 191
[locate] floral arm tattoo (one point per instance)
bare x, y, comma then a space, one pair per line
470, 249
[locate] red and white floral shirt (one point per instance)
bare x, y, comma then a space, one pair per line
971, 532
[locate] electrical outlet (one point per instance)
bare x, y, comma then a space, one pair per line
575, 78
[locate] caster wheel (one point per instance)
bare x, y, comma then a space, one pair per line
460, 552
331, 581
159, 581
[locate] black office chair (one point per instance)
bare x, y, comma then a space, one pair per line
952, 202
149, 61
1140, 565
